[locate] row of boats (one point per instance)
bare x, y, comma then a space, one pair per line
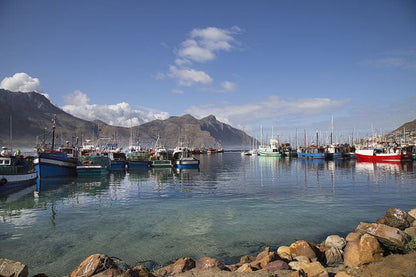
377, 152
68, 161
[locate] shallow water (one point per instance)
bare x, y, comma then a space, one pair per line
234, 205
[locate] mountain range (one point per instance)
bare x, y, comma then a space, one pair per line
30, 117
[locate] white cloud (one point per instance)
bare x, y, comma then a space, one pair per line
22, 82
189, 76
202, 44
273, 107
228, 86
121, 114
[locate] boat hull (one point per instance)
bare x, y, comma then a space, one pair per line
50, 165
161, 163
137, 165
9, 182
118, 165
311, 155
187, 164
92, 170
370, 156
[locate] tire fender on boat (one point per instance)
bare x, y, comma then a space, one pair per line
3, 181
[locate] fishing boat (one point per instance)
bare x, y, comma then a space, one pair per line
334, 152
49, 162
160, 156
93, 164
383, 154
311, 152
16, 171
271, 150
137, 158
183, 159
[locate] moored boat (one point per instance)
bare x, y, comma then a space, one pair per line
182, 158
311, 152
137, 159
383, 155
93, 164
271, 150
16, 171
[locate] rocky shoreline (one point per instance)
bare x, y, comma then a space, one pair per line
384, 248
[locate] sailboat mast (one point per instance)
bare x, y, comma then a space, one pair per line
53, 132
332, 129
11, 134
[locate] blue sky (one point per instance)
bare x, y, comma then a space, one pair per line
286, 64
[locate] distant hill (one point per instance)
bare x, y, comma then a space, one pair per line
407, 130
32, 115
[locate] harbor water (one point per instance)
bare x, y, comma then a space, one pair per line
232, 206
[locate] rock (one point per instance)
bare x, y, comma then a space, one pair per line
354, 236
284, 253
370, 249
181, 265
412, 213
392, 265
9, 268
352, 254
313, 269
94, 264
398, 219
302, 248
335, 241
111, 272
276, 265
392, 238
262, 254
233, 267
245, 268
342, 274
246, 259
411, 231
207, 263
333, 256
298, 273
138, 271
302, 259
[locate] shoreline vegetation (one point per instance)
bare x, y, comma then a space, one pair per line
384, 248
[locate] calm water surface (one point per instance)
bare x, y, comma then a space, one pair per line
234, 205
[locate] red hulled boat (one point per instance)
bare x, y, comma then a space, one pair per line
381, 155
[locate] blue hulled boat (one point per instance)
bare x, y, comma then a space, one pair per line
183, 159
61, 163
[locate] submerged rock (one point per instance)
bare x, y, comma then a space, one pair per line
13, 268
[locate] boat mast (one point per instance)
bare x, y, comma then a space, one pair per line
332, 129
11, 135
317, 142
53, 131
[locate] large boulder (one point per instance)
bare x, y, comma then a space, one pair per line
335, 241
276, 265
392, 238
370, 249
263, 258
284, 253
391, 265
245, 268
95, 264
302, 248
208, 263
398, 219
181, 265
352, 254
313, 269
333, 256
9, 268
